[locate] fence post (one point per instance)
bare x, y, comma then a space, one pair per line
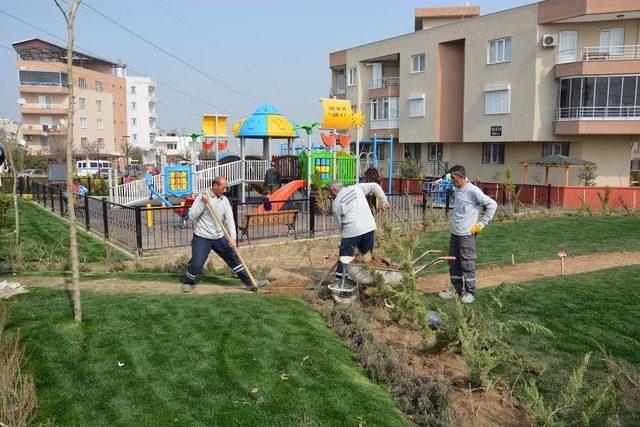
89, 184
234, 211
105, 218
51, 197
60, 191
44, 195
312, 216
20, 185
138, 213
87, 223
548, 196
447, 206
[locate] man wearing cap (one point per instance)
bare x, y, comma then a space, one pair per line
355, 220
466, 224
208, 236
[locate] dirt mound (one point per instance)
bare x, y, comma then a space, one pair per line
375, 261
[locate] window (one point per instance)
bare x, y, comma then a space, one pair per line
412, 151
42, 78
418, 63
84, 142
134, 105
100, 142
172, 146
45, 141
340, 84
416, 105
384, 108
82, 102
598, 97
493, 153
612, 40
44, 101
134, 121
134, 137
132, 90
554, 148
434, 151
352, 76
98, 86
98, 105
83, 122
497, 100
46, 121
99, 124
499, 51
82, 82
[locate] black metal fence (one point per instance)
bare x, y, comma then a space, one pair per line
141, 228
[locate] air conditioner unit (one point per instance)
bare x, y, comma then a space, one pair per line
549, 40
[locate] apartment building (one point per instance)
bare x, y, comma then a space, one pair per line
142, 115
172, 144
100, 121
491, 91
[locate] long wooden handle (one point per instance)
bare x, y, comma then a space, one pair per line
212, 209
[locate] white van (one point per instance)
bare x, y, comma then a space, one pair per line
92, 167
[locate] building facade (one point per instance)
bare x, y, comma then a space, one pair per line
100, 120
172, 144
491, 91
142, 115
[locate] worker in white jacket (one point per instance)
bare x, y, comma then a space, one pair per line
356, 222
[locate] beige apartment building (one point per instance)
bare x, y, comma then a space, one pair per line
100, 121
491, 91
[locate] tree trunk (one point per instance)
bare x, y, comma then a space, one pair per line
9, 147
73, 239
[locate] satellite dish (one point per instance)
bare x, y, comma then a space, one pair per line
21, 101
63, 122
22, 142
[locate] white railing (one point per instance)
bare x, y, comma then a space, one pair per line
54, 84
385, 82
338, 91
608, 53
255, 169
384, 124
232, 171
134, 191
597, 113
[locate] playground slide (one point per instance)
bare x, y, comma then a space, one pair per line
284, 193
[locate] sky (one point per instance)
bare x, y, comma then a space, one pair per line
263, 51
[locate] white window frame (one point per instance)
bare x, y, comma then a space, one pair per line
419, 98
494, 89
82, 83
134, 121
99, 124
341, 90
83, 141
497, 42
352, 76
99, 86
82, 102
83, 123
613, 50
98, 105
417, 56
132, 90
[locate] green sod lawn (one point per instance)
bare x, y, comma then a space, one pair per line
192, 360
46, 237
542, 238
583, 311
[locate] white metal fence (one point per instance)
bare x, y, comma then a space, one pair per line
598, 113
599, 53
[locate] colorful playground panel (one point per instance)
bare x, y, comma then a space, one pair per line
322, 166
177, 180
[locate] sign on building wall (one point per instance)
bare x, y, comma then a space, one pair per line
496, 130
336, 113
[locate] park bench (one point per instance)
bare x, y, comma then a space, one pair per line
269, 219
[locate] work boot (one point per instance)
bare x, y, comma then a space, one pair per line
446, 294
467, 298
186, 288
259, 285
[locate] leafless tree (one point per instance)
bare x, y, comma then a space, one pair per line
69, 16
9, 142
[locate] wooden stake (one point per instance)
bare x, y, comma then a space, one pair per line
212, 209
513, 260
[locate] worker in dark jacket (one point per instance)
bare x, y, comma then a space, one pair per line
272, 179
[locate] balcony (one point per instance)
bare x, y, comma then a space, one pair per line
339, 93
43, 130
597, 121
598, 61
383, 124
387, 86
43, 109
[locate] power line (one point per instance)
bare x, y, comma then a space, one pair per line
89, 52
182, 61
228, 54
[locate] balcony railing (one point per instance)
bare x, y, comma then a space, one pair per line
43, 129
384, 123
54, 84
337, 91
385, 82
45, 106
597, 113
612, 53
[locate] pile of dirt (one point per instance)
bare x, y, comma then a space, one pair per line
375, 261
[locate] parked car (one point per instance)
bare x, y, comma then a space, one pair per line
92, 167
32, 173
